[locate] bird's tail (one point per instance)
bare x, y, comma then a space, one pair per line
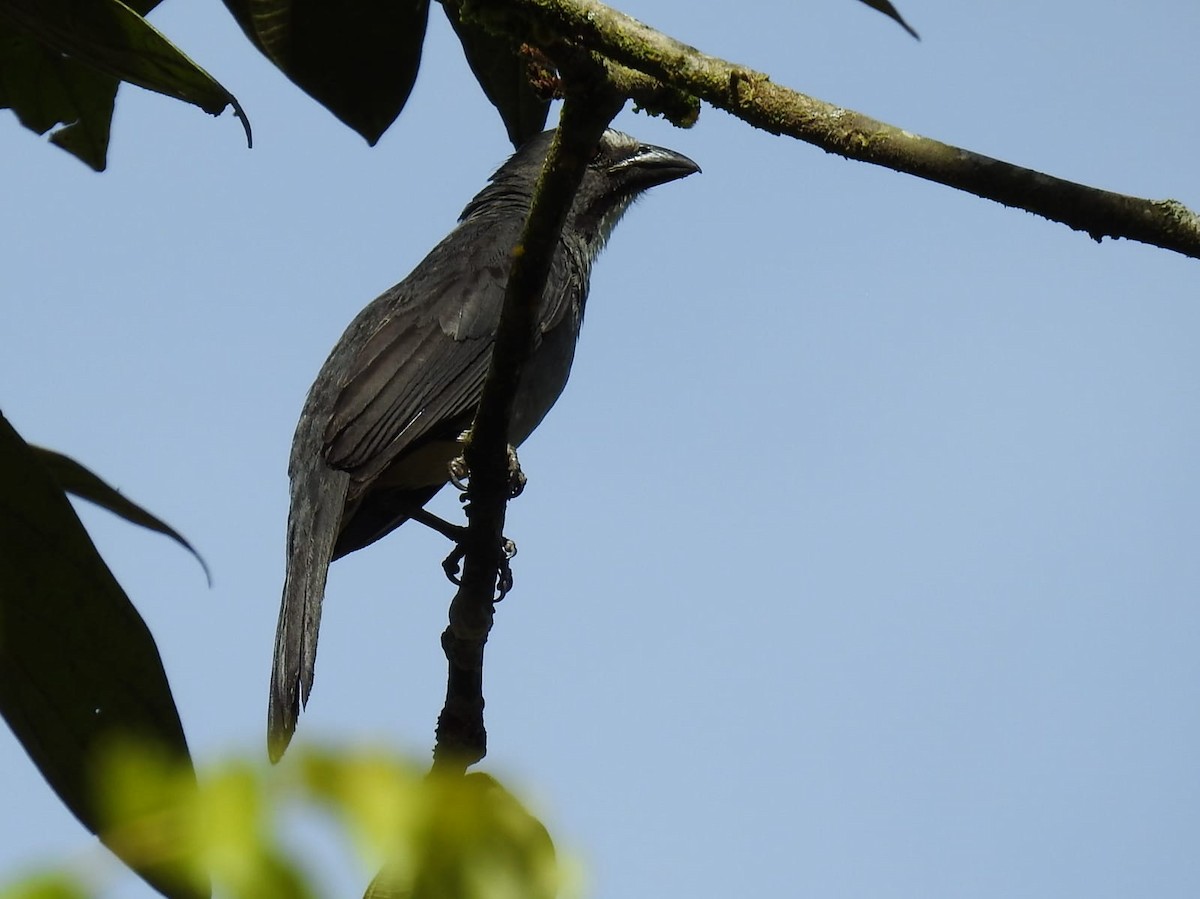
318, 498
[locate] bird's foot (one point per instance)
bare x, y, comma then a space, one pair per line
459, 472
452, 564
504, 583
516, 477
458, 466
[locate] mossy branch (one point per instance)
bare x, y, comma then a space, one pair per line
754, 98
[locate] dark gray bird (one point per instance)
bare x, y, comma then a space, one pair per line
381, 421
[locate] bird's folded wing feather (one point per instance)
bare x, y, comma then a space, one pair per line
422, 368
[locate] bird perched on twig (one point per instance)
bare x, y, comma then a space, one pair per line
382, 420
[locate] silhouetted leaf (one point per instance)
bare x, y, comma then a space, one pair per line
79, 670
79, 481
86, 137
891, 12
359, 60
61, 60
502, 74
45, 89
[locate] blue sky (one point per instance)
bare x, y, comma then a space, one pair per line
859, 558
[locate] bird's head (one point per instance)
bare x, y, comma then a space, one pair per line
621, 169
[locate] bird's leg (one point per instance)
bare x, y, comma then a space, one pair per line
459, 472
458, 534
453, 532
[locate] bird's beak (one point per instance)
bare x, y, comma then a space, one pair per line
650, 166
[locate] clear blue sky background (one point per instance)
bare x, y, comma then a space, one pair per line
861, 557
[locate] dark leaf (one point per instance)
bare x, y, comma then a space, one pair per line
60, 61
45, 89
359, 59
79, 670
79, 481
87, 136
891, 12
502, 74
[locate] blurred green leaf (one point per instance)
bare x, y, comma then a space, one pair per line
377, 796
79, 670
891, 12
473, 840
56, 885
438, 836
502, 74
79, 481
236, 841
153, 811
61, 60
146, 800
359, 60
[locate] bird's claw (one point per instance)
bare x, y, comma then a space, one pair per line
504, 582
459, 472
452, 564
516, 477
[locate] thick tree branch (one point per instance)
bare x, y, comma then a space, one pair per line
752, 97
461, 736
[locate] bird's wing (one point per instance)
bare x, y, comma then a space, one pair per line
420, 369
405, 364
